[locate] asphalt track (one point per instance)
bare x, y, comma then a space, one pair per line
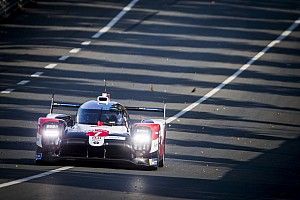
241, 143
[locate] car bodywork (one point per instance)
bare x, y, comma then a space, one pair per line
102, 131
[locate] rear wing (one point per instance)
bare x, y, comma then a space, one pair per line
56, 104
146, 109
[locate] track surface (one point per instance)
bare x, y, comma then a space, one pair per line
242, 143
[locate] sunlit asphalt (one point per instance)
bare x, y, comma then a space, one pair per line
241, 143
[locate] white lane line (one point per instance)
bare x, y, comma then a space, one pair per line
34, 177
63, 58
75, 50
23, 82
115, 19
205, 97
86, 43
50, 66
283, 35
7, 91
37, 74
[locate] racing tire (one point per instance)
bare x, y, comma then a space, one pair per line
161, 162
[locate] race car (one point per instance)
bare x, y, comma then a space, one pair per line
102, 130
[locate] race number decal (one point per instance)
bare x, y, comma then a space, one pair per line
96, 141
96, 138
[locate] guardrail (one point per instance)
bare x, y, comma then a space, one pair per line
8, 6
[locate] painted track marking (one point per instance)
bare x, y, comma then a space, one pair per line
75, 50
7, 91
23, 82
115, 19
63, 58
107, 28
22, 180
37, 74
179, 114
86, 43
283, 35
50, 66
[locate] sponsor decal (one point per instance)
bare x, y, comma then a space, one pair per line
98, 132
38, 156
154, 146
96, 138
153, 161
96, 141
115, 138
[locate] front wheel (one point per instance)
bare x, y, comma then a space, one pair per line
161, 162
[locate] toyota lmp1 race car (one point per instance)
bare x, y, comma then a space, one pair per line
101, 131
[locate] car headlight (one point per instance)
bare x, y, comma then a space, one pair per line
142, 136
51, 131
141, 139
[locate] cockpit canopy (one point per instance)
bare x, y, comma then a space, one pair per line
93, 116
107, 114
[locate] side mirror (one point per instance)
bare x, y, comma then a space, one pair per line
67, 118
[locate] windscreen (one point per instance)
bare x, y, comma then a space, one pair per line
93, 116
